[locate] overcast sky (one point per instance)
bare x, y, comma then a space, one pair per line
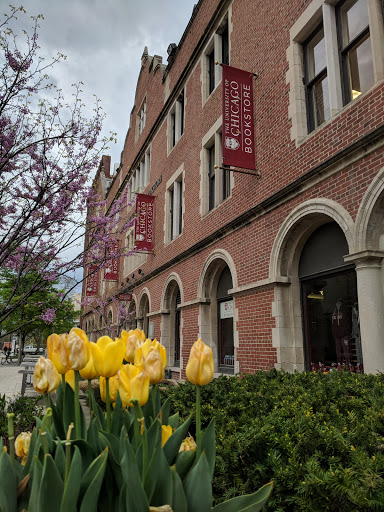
104, 41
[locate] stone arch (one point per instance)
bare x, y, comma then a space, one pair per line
144, 307
171, 318
130, 321
370, 217
206, 292
287, 336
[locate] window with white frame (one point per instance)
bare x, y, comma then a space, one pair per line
140, 177
216, 182
216, 51
336, 54
176, 121
134, 260
141, 117
174, 206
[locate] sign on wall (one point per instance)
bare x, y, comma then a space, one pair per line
111, 273
125, 297
92, 281
238, 128
226, 309
144, 225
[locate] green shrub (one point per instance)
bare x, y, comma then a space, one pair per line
319, 437
25, 409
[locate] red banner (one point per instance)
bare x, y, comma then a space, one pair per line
111, 272
92, 281
238, 129
144, 225
125, 297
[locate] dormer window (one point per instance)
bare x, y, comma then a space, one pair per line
141, 117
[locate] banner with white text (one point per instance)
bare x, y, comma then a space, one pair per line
144, 225
111, 272
92, 281
238, 128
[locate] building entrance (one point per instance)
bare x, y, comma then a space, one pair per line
329, 302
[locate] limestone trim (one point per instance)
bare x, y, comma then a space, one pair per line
143, 295
287, 335
317, 211
370, 215
207, 320
171, 278
263, 283
194, 302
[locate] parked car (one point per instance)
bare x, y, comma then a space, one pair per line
29, 349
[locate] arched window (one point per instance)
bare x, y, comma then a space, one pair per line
329, 300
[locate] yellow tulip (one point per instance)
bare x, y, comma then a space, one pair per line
132, 340
153, 366
54, 345
22, 445
70, 378
200, 367
112, 389
89, 372
107, 356
132, 385
188, 444
74, 350
166, 432
45, 376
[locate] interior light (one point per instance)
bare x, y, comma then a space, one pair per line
355, 94
316, 295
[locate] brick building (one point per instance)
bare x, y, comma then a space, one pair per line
283, 269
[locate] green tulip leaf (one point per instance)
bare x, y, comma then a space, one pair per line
93, 485
36, 473
68, 409
158, 481
72, 486
184, 462
198, 487
165, 411
209, 447
91, 472
98, 412
179, 502
60, 459
172, 446
34, 442
249, 503
122, 498
50, 479
113, 443
93, 433
153, 436
87, 451
59, 399
174, 420
128, 419
8, 484
118, 417
57, 419
136, 500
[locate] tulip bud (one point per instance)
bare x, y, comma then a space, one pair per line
54, 347
74, 350
153, 366
45, 376
188, 445
22, 445
113, 386
200, 366
107, 356
132, 340
166, 432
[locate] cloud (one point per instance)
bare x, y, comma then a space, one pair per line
103, 41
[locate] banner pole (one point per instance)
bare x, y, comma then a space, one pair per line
248, 171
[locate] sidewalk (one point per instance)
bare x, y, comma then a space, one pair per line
10, 380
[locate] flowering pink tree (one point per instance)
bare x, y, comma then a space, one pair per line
48, 150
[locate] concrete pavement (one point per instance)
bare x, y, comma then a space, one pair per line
10, 380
